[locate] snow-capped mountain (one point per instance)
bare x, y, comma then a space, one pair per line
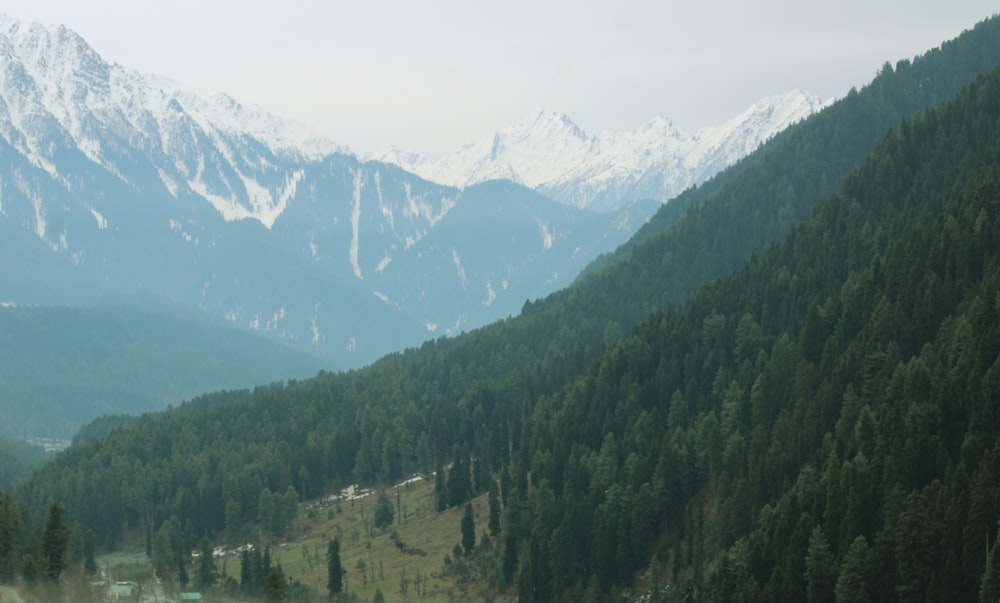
548, 152
59, 94
118, 184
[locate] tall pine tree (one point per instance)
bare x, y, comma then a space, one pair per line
275, 585
494, 506
459, 482
334, 571
855, 573
55, 541
821, 569
10, 527
440, 488
207, 574
989, 588
468, 530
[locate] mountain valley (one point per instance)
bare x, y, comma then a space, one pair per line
779, 385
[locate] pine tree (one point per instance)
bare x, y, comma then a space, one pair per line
207, 575
246, 573
509, 562
55, 541
257, 571
262, 569
383, 512
440, 488
914, 548
334, 571
855, 573
989, 589
494, 506
821, 569
182, 575
468, 530
275, 585
459, 482
506, 483
31, 568
89, 562
10, 526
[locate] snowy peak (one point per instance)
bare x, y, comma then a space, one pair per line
659, 127
40, 47
547, 151
765, 118
57, 95
529, 152
786, 107
717, 147
545, 126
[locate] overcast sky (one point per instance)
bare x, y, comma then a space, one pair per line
431, 75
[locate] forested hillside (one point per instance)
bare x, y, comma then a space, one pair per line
829, 409
859, 454
817, 425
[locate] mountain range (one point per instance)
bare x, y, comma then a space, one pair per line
116, 183
548, 152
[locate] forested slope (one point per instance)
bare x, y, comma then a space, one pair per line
830, 409
838, 385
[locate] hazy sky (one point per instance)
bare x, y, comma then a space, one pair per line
431, 75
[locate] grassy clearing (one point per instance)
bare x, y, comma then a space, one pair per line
414, 548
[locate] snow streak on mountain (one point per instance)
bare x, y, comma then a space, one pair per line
59, 94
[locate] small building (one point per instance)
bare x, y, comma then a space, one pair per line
190, 596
